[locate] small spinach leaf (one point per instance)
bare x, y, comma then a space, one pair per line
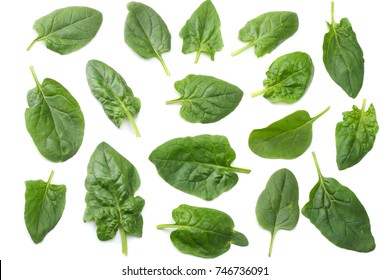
206, 99
203, 232
287, 138
68, 29
355, 135
288, 78
339, 215
277, 207
197, 165
146, 32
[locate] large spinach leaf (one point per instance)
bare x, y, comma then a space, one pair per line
277, 207
288, 78
355, 135
114, 94
197, 165
339, 215
268, 31
201, 33
54, 120
206, 99
146, 32
343, 56
287, 138
203, 232
68, 29
111, 184
43, 208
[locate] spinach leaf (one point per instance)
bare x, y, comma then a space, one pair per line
343, 56
277, 207
54, 120
268, 31
146, 32
114, 94
197, 165
339, 215
203, 232
111, 183
287, 138
206, 99
355, 135
288, 78
68, 29
202, 33
43, 208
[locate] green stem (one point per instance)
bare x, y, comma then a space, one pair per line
320, 114
173, 101
134, 125
162, 226
197, 56
32, 44
124, 241
260, 92
36, 78
50, 177
364, 105
317, 165
332, 12
271, 244
243, 48
240, 170
163, 64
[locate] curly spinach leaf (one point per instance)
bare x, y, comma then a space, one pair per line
288, 78
146, 33
277, 207
113, 93
268, 31
54, 120
343, 56
111, 184
201, 33
68, 29
355, 135
206, 99
203, 232
197, 165
43, 208
339, 215
287, 138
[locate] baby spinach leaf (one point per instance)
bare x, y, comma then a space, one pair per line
287, 138
68, 29
146, 32
197, 165
343, 56
201, 33
206, 99
54, 120
43, 208
114, 94
277, 207
268, 31
288, 78
355, 135
111, 183
339, 215
203, 232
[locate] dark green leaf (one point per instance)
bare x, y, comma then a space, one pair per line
54, 120
203, 232
197, 165
206, 99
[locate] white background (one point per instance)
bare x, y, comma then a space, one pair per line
72, 248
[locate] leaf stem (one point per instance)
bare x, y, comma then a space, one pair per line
124, 241
364, 105
32, 44
271, 244
36, 78
260, 92
332, 12
133, 124
163, 64
50, 177
162, 226
173, 101
317, 165
243, 48
197, 56
240, 170
320, 114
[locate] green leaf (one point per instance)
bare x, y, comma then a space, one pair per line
277, 207
54, 120
69, 29
146, 32
339, 215
203, 232
206, 99
44, 206
343, 56
268, 31
113, 93
201, 33
288, 78
355, 135
111, 184
287, 138
197, 165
